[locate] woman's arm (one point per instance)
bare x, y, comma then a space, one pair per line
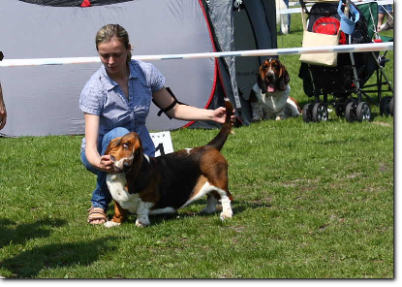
3, 111
103, 163
188, 113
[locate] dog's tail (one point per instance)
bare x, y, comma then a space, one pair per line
226, 129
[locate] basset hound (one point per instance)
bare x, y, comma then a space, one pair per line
159, 185
269, 97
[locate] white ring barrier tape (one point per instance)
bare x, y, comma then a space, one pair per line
245, 53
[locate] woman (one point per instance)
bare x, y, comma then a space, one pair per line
383, 11
116, 101
3, 111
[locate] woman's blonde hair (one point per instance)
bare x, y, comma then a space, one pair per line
107, 32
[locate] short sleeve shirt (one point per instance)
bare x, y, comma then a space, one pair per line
103, 97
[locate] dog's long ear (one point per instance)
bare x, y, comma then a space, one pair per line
113, 144
284, 77
262, 83
252, 98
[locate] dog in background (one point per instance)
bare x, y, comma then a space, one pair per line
270, 97
282, 19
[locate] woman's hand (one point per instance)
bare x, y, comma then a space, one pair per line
219, 115
102, 163
189, 113
107, 165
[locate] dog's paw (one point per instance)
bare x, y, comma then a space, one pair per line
142, 223
226, 214
110, 224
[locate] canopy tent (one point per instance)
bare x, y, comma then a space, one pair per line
43, 100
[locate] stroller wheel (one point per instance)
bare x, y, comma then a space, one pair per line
340, 107
385, 106
320, 113
307, 113
350, 112
363, 112
391, 107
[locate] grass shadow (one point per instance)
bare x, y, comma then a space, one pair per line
24, 232
31, 262
182, 214
241, 207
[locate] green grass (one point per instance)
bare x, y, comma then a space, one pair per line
310, 201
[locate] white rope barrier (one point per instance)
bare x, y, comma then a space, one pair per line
245, 53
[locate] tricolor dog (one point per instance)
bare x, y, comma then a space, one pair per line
269, 97
159, 185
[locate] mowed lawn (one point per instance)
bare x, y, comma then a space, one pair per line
310, 201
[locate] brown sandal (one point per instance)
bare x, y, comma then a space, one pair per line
96, 213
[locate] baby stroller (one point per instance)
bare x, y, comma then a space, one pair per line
346, 79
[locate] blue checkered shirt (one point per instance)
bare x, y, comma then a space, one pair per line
103, 97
